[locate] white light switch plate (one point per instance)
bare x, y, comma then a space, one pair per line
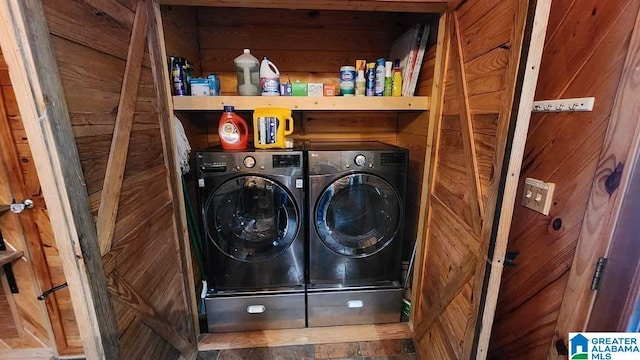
538, 195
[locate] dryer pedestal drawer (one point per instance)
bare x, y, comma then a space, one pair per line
355, 307
257, 312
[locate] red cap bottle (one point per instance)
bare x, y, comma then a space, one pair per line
233, 130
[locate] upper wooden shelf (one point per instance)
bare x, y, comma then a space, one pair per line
417, 103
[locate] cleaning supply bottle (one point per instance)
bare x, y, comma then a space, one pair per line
248, 70
396, 88
361, 84
232, 130
388, 78
269, 78
270, 127
371, 79
379, 84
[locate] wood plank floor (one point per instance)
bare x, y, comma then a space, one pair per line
306, 336
401, 349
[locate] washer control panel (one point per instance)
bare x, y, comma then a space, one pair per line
360, 160
249, 162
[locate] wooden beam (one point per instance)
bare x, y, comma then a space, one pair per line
160, 69
418, 6
621, 147
466, 127
525, 69
122, 131
28, 354
428, 176
34, 75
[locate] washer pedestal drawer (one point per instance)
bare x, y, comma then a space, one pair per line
255, 312
354, 307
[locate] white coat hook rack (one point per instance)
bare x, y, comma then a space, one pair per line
564, 105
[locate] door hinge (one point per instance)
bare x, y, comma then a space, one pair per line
598, 273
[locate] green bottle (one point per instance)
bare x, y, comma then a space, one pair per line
388, 78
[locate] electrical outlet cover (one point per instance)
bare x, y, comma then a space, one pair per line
538, 195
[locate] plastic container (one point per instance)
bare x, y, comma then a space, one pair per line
270, 127
388, 78
214, 84
233, 130
379, 84
361, 84
396, 87
348, 80
248, 70
371, 79
269, 78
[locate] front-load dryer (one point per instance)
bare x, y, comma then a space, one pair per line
356, 205
252, 215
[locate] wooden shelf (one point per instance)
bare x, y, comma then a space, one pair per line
415, 103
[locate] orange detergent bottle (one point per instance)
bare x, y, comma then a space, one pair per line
232, 130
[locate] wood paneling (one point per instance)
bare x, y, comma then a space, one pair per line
46, 120
182, 39
609, 188
304, 44
564, 149
115, 106
472, 140
34, 235
181, 34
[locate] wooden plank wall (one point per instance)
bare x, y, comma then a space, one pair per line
41, 268
586, 45
143, 265
485, 40
306, 45
181, 39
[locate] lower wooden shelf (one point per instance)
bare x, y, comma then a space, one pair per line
306, 336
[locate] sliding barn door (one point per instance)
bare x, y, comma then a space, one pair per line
95, 69
482, 112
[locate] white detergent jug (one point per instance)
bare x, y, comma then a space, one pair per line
269, 78
247, 68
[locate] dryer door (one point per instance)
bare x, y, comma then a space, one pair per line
251, 218
358, 215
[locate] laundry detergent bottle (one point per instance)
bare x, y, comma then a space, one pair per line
232, 130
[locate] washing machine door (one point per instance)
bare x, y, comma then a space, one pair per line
358, 215
251, 218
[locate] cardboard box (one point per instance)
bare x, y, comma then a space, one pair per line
299, 89
329, 90
285, 89
315, 89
